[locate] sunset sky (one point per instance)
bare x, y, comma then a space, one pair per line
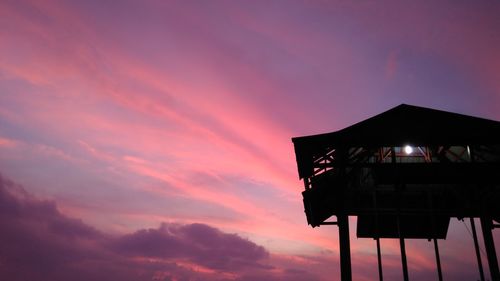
151, 140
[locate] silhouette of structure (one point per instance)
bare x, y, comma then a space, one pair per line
404, 173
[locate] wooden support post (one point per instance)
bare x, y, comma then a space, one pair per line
486, 226
436, 247
379, 255
402, 247
438, 260
403, 251
379, 258
476, 246
403, 258
345, 249
471, 151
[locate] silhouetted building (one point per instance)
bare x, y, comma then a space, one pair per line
404, 173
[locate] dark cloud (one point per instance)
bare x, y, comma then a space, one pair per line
198, 243
38, 242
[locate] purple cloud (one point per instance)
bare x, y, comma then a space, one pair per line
198, 243
38, 242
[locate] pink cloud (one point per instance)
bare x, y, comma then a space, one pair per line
6, 142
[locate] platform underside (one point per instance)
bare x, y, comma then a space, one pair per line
410, 226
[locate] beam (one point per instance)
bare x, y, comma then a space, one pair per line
401, 240
404, 263
476, 246
438, 260
486, 226
379, 258
345, 249
403, 258
329, 223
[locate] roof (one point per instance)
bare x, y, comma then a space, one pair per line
403, 124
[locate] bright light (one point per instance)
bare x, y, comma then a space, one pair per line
408, 149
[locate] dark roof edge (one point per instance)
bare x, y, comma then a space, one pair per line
399, 107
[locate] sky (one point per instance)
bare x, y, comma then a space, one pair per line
151, 140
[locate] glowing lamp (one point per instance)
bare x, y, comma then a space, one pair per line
408, 149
